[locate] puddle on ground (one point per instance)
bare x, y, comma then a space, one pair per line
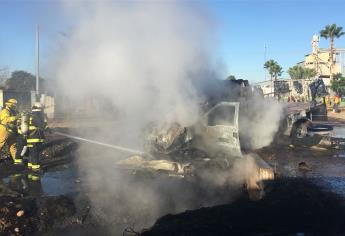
60, 181
338, 135
340, 154
338, 132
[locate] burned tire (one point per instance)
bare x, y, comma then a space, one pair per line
300, 131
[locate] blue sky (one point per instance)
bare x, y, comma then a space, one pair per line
245, 27
285, 27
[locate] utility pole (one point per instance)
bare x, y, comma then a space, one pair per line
315, 52
37, 64
265, 58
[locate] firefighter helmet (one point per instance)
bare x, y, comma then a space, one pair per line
11, 102
37, 105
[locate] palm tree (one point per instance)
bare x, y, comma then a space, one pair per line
276, 70
299, 72
309, 73
269, 65
296, 72
331, 32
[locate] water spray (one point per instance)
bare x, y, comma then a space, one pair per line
120, 148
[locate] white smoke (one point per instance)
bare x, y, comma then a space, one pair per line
144, 56
147, 59
260, 122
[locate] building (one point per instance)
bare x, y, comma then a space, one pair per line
266, 87
320, 60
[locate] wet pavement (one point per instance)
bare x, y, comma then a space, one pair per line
338, 132
323, 167
59, 181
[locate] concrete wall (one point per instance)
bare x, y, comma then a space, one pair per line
49, 106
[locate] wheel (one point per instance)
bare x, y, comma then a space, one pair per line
300, 131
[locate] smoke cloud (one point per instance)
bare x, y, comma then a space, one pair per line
260, 122
144, 56
147, 60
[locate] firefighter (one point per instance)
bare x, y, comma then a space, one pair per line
26, 183
8, 128
336, 103
35, 138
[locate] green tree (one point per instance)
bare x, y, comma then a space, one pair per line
231, 77
23, 81
296, 72
299, 72
338, 83
276, 71
269, 65
309, 73
331, 32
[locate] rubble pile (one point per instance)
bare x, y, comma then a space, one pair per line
28, 215
166, 138
17, 216
291, 206
24, 209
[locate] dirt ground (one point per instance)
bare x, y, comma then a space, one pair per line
313, 162
336, 116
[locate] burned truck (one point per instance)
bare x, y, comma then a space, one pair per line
212, 144
218, 140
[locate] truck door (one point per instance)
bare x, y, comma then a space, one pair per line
222, 133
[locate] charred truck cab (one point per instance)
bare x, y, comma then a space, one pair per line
210, 146
184, 151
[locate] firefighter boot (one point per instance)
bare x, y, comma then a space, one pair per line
34, 166
18, 161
